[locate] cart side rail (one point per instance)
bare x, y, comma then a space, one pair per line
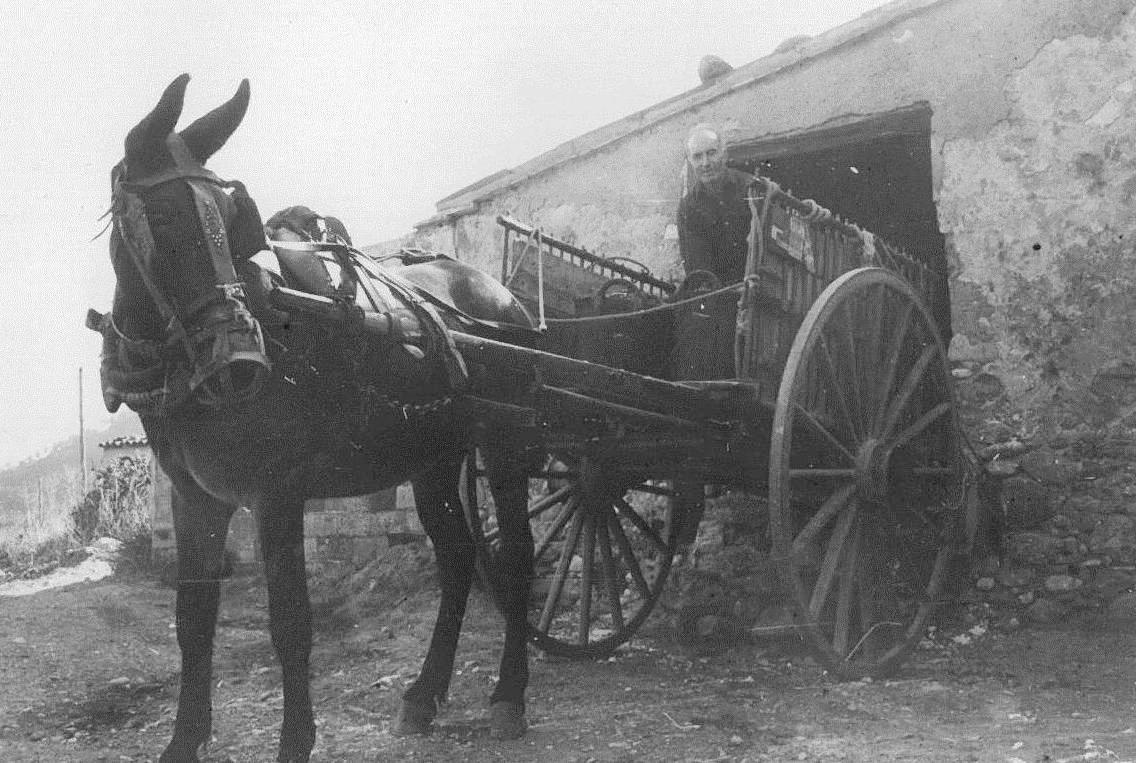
796, 249
531, 259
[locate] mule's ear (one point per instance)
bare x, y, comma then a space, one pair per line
210, 132
146, 143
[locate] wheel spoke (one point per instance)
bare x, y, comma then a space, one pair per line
836, 545
628, 511
629, 557
804, 474
829, 509
562, 566
842, 629
538, 507
822, 430
907, 389
873, 332
920, 424
848, 339
887, 378
586, 576
611, 575
834, 383
562, 519
654, 489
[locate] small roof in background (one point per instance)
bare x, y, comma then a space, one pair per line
126, 441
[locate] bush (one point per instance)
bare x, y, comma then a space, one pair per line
118, 506
37, 521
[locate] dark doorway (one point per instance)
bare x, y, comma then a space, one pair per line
875, 172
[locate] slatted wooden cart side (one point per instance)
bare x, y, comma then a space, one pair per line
841, 415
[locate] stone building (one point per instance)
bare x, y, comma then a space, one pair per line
997, 136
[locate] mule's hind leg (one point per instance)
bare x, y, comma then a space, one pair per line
281, 521
435, 495
201, 523
508, 481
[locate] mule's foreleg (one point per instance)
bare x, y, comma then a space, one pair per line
290, 618
201, 524
439, 509
509, 485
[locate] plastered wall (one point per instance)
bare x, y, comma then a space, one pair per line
1040, 215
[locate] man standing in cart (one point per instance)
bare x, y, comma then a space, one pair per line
713, 230
713, 215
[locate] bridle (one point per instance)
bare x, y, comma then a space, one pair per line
212, 352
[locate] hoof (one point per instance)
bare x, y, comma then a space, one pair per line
413, 719
507, 720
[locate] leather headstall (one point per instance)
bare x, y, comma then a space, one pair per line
204, 341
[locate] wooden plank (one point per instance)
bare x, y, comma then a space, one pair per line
498, 368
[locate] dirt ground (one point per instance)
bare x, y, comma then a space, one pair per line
90, 675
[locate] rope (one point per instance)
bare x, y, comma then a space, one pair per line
520, 259
737, 287
869, 256
542, 324
755, 260
816, 212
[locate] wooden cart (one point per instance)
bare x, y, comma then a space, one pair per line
840, 417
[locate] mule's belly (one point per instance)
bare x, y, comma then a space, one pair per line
293, 451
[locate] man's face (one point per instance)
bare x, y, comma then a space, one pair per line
707, 157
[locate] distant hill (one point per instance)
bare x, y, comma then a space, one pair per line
64, 456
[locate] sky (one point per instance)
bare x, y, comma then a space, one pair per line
364, 109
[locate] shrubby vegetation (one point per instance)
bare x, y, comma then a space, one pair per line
48, 521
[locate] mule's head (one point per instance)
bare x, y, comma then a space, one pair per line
177, 230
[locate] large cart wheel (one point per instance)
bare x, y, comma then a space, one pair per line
866, 473
603, 548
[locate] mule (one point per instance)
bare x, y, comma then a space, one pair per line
260, 409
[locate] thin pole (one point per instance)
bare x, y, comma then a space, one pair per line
82, 437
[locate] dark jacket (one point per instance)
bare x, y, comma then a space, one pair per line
713, 227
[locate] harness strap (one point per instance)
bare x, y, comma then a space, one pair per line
216, 239
136, 237
446, 307
456, 371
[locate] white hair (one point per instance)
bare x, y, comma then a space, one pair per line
703, 128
